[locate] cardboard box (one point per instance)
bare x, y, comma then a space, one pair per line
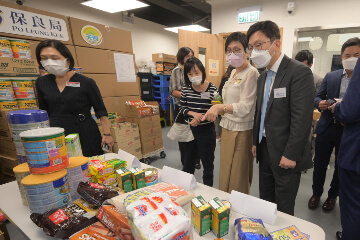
34, 10
150, 145
118, 40
19, 67
133, 111
94, 60
200, 215
220, 217
110, 87
117, 104
145, 121
7, 165
164, 68
76, 27
126, 130
162, 57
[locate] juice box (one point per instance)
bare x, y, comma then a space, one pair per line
73, 145
200, 215
220, 217
138, 178
124, 179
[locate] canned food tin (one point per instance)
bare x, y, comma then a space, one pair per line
151, 176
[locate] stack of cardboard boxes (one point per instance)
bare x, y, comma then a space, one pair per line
165, 63
150, 129
126, 137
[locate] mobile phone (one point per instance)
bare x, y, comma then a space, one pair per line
331, 101
106, 148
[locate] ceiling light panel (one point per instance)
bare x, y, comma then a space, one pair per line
113, 6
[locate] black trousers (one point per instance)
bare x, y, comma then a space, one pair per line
182, 145
324, 145
349, 203
276, 186
203, 145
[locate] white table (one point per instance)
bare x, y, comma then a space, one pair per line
11, 205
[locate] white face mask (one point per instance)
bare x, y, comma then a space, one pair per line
56, 67
261, 58
349, 63
196, 80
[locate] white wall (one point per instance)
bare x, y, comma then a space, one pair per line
147, 37
308, 13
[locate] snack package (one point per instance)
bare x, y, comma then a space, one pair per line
156, 216
65, 221
97, 231
137, 103
250, 228
107, 180
101, 169
115, 221
124, 179
95, 193
138, 178
178, 194
145, 110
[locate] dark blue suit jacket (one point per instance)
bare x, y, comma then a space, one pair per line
330, 88
348, 112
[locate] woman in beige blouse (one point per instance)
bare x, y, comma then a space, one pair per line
239, 98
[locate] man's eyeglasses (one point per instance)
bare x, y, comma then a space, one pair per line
258, 46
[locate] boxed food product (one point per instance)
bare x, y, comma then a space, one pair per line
156, 216
220, 217
124, 178
95, 193
115, 221
73, 145
65, 221
107, 180
250, 228
101, 169
138, 178
96, 231
201, 215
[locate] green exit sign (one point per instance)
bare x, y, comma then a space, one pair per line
247, 17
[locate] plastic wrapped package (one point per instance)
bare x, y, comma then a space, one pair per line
156, 216
95, 193
96, 231
250, 229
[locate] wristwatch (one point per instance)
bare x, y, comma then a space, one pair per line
225, 109
108, 135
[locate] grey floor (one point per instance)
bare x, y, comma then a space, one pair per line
329, 221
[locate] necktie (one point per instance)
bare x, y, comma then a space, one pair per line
265, 103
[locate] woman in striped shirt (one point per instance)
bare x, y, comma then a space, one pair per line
196, 97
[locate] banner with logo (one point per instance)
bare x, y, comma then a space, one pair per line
25, 23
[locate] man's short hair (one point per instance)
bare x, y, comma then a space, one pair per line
304, 55
349, 43
268, 28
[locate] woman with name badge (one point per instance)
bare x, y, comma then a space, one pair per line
68, 97
196, 97
239, 98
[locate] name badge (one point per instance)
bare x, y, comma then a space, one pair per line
279, 92
72, 84
205, 95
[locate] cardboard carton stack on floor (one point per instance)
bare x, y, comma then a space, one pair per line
95, 54
126, 137
150, 129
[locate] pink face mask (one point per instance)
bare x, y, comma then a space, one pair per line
236, 60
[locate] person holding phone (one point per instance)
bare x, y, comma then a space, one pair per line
68, 97
329, 131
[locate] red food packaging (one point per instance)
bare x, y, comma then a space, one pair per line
97, 231
115, 221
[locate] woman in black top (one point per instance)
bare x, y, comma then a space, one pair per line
68, 97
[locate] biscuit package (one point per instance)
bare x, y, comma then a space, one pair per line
251, 229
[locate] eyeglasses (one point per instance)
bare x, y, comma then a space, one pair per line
258, 46
235, 51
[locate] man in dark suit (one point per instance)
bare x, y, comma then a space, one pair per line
328, 130
283, 117
348, 112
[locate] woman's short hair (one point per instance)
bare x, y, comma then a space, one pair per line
182, 53
189, 65
237, 37
64, 51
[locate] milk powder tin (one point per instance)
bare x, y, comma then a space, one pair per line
26, 103
5, 48
45, 149
78, 169
6, 89
8, 104
21, 171
20, 48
